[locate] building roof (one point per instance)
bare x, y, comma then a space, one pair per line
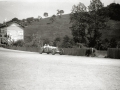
10, 23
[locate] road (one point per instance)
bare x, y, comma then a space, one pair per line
21, 70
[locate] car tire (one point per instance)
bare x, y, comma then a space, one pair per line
53, 52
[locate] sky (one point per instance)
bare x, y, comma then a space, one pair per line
22, 9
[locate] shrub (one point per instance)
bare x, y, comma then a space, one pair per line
57, 41
118, 44
113, 43
67, 42
19, 43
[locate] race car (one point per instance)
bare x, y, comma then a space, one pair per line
51, 49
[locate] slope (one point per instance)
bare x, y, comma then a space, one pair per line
46, 29
60, 28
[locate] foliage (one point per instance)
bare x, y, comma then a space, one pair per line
19, 43
45, 14
67, 42
34, 40
46, 41
78, 20
53, 18
114, 11
118, 44
87, 25
97, 22
60, 12
39, 17
30, 19
113, 43
95, 5
57, 41
15, 19
105, 44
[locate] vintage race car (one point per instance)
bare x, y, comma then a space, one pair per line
51, 49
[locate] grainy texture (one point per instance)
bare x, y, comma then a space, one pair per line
21, 70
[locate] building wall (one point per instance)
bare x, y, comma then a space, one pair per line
3, 35
15, 32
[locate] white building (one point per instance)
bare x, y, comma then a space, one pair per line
13, 30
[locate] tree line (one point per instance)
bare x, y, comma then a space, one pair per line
87, 25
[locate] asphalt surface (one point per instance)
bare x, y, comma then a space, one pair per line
20, 70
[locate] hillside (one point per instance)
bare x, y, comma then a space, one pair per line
60, 28
46, 29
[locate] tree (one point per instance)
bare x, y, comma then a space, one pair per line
15, 19
30, 19
19, 43
78, 20
53, 18
97, 22
118, 44
114, 11
39, 17
57, 41
79, 8
105, 44
87, 25
46, 41
45, 14
60, 12
34, 40
67, 42
95, 5
113, 43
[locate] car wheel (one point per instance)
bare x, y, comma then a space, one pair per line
53, 52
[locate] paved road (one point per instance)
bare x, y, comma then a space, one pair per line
20, 70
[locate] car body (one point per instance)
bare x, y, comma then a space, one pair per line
51, 49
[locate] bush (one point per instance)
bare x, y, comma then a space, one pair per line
105, 44
46, 41
19, 43
57, 41
113, 43
118, 44
67, 42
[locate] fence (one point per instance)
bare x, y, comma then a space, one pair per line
113, 53
75, 51
67, 51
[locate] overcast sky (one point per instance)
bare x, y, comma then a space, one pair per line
34, 8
